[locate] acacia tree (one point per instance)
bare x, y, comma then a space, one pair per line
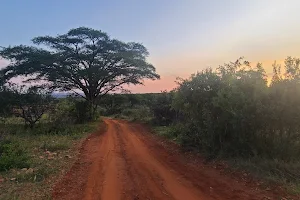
83, 59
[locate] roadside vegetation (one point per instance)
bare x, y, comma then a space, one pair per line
235, 113
40, 134
33, 156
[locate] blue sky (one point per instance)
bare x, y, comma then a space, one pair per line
182, 36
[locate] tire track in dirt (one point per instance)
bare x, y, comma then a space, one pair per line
161, 181
126, 163
103, 180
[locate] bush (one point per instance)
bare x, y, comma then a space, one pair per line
12, 156
161, 106
232, 112
140, 113
71, 110
113, 104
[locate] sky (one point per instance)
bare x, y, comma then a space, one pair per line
182, 36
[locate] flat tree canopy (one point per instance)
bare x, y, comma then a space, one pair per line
83, 59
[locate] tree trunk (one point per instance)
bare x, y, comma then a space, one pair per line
92, 108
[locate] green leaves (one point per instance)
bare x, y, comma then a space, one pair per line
83, 59
25, 60
233, 112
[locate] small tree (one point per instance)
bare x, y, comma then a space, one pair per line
30, 103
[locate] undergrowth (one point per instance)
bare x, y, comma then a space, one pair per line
271, 171
30, 158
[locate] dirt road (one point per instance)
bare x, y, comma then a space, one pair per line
126, 162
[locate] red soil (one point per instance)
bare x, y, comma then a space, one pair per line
126, 162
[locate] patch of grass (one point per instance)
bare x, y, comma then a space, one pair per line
12, 155
56, 143
56, 146
138, 113
294, 189
49, 154
272, 171
166, 132
13, 120
269, 171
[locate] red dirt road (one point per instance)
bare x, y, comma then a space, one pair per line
125, 162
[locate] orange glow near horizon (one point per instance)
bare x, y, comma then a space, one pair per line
171, 67
167, 81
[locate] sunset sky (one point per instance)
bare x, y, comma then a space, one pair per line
182, 36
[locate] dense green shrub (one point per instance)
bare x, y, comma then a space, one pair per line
161, 107
112, 104
12, 156
234, 112
140, 113
71, 110
6, 97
